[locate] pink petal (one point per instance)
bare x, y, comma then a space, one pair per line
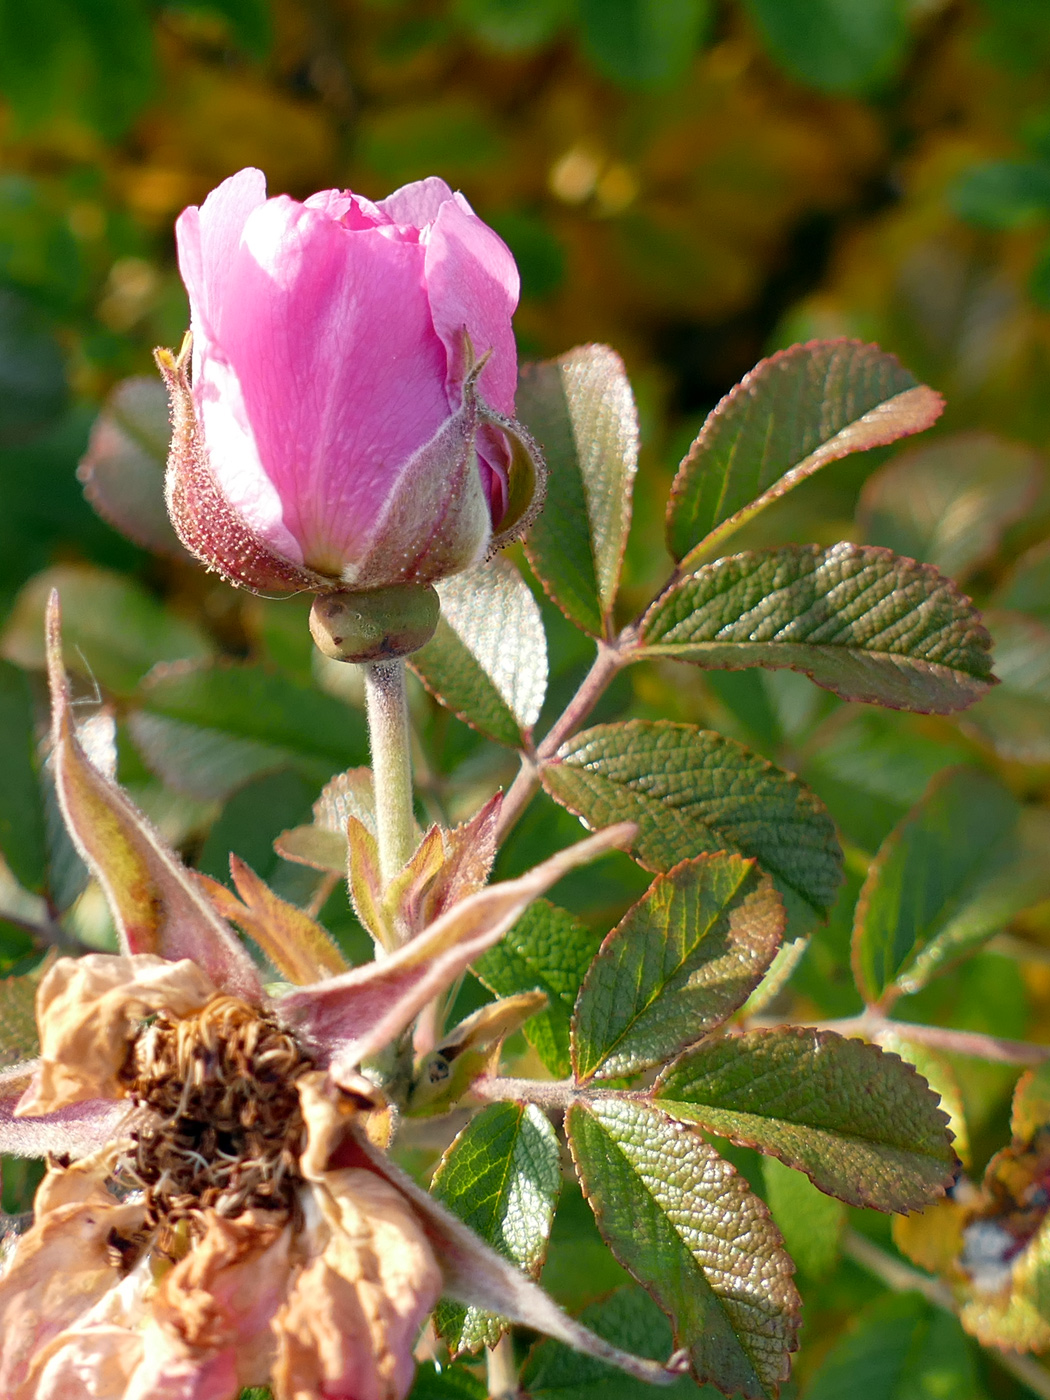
207, 240
418, 204
327, 333
473, 283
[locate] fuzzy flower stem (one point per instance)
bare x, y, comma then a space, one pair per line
391, 763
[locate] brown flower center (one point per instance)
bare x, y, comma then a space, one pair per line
228, 1131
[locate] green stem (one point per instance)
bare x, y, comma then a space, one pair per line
391, 763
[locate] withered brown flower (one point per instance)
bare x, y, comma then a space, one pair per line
219, 1209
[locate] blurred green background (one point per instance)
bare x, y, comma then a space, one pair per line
695, 182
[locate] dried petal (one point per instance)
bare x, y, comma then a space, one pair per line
87, 1010
60, 1268
349, 1327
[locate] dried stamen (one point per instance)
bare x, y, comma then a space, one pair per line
228, 1131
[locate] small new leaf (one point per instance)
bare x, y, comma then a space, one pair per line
858, 1121
501, 1176
683, 959
693, 791
681, 1220
581, 410
794, 413
487, 662
857, 620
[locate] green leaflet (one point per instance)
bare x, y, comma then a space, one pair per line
900, 1347
958, 867
488, 659
208, 729
502, 1176
693, 791
857, 620
434, 1382
628, 1317
681, 961
949, 502
581, 411
22, 823
688, 1228
794, 413
549, 950
833, 45
860, 1123
1027, 586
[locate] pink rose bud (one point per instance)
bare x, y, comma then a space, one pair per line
349, 424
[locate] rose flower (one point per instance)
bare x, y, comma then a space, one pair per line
349, 421
219, 1210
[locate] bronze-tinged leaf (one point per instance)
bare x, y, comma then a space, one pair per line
790, 416
687, 1227
859, 621
156, 905
862, 1124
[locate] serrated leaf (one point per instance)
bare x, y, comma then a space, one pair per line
554, 1371
795, 412
685, 1224
693, 791
547, 950
208, 729
960, 865
940, 1075
501, 1176
857, 620
680, 962
487, 660
122, 471
949, 502
859, 1122
900, 1347
23, 836
1015, 717
581, 411
115, 631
